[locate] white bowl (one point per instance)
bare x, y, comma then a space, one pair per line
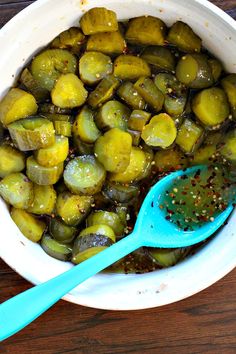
31, 30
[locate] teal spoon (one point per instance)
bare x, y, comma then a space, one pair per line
151, 229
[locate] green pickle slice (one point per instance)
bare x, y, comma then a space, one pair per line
184, 38
84, 126
150, 93
113, 150
43, 175
71, 39
56, 249
29, 225
104, 91
160, 57
17, 104
50, 64
130, 95
11, 160
32, 133
113, 114
85, 175
17, 190
54, 154
229, 86
62, 232
94, 66
72, 208
109, 43
44, 200
189, 136
99, 19
129, 67
106, 218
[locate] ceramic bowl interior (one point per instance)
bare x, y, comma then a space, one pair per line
20, 39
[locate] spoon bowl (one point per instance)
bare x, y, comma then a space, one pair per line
151, 229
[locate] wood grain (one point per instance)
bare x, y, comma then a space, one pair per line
204, 323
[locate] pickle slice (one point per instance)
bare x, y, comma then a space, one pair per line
69, 92
85, 175
110, 43
150, 93
129, 67
72, 208
113, 114
211, 106
103, 92
11, 160
32, 133
63, 128
84, 126
54, 154
30, 226
32, 85
17, 104
169, 257
194, 71
94, 66
91, 241
48, 66
189, 136
43, 175
120, 193
135, 168
62, 232
146, 30
56, 249
160, 132
160, 57
130, 95
17, 190
71, 39
106, 218
113, 150
170, 160
216, 68
138, 119
136, 136
184, 38
99, 19
44, 200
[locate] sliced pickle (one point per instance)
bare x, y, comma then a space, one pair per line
113, 150
113, 114
63, 128
17, 104
29, 225
50, 64
72, 208
170, 160
189, 136
136, 136
91, 241
130, 67
146, 30
99, 19
94, 66
43, 175
135, 168
33, 86
160, 57
71, 39
51, 109
204, 155
85, 175
62, 232
44, 200
69, 92
54, 154
216, 68
150, 93
17, 190
211, 106
167, 257
103, 92
160, 131
32, 133
184, 38
194, 71
111, 43
84, 126
130, 95
120, 193
56, 249
11, 160
109, 218
138, 119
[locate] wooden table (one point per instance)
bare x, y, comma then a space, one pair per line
204, 323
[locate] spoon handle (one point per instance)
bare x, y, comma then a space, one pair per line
22, 309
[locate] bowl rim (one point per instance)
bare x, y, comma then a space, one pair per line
229, 266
